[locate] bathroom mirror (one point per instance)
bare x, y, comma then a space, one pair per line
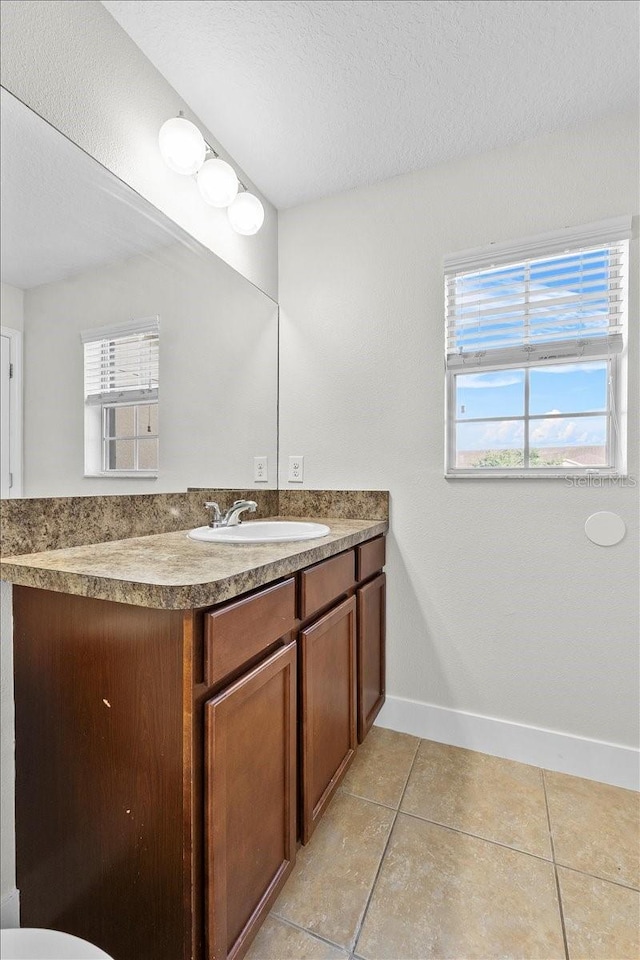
81, 251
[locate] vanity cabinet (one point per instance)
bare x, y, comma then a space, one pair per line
250, 800
168, 761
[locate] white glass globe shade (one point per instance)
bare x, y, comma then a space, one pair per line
217, 182
246, 214
182, 145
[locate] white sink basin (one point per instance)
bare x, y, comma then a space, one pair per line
261, 531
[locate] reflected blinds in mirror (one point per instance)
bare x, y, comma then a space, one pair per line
121, 363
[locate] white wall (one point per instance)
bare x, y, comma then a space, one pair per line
498, 604
11, 306
218, 372
72, 63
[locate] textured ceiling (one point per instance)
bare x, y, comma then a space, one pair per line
316, 96
62, 212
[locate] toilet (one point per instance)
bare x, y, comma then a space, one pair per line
35, 944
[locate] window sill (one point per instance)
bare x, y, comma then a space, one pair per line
578, 479
121, 475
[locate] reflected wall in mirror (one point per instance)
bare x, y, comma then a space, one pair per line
82, 251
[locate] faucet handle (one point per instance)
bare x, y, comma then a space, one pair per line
216, 516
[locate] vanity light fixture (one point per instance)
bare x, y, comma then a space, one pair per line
182, 146
217, 182
185, 150
246, 214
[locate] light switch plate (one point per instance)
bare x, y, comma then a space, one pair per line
260, 469
296, 469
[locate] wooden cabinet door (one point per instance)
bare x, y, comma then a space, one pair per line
371, 653
328, 699
250, 801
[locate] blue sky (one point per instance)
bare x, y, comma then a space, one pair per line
562, 388
554, 389
565, 388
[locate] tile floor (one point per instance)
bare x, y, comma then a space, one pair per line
429, 851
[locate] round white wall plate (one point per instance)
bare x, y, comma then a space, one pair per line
605, 528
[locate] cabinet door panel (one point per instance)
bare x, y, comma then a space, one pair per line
328, 667
250, 800
371, 653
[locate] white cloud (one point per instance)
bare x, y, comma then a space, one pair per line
572, 367
503, 433
565, 432
476, 381
551, 432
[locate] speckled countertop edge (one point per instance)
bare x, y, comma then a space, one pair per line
169, 571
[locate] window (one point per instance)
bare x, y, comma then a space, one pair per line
534, 344
121, 399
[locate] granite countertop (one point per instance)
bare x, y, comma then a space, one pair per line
170, 571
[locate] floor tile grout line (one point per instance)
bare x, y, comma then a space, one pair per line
555, 868
595, 876
476, 836
566, 866
358, 796
312, 933
546, 805
354, 940
348, 948
356, 936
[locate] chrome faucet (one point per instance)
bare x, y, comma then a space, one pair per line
232, 516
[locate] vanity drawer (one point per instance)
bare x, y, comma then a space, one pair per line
325, 582
370, 558
235, 634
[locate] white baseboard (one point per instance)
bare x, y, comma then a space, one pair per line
563, 752
10, 910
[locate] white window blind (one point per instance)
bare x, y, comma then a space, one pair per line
121, 363
505, 308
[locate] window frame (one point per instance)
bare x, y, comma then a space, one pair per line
510, 254
96, 437
108, 438
612, 468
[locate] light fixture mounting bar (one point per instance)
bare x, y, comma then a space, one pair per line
215, 153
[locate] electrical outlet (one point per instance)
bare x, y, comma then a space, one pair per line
296, 469
260, 469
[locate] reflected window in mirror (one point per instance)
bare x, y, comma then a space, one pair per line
81, 250
121, 381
